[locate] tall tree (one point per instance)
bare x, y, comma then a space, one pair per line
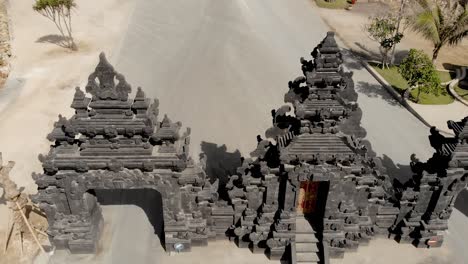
399, 18
384, 30
442, 22
59, 11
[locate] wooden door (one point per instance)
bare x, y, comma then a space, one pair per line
307, 197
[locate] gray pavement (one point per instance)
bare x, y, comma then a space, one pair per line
394, 132
220, 66
9, 92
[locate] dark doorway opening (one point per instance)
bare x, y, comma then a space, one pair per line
312, 203
312, 199
149, 200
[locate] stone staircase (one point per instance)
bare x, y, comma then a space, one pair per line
306, 244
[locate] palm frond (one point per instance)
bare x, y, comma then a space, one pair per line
458, 37
425, 4
459, 29
424, 23
439, 18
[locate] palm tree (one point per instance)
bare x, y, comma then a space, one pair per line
442, 22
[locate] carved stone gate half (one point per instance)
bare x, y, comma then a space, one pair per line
113, 142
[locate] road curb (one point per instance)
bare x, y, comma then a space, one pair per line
398, 97
454, 93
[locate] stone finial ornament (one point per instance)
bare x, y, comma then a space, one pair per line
101, 83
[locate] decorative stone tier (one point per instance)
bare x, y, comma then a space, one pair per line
313, 169
312, 150
427, 199
113, 142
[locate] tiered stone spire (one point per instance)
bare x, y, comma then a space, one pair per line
311, 147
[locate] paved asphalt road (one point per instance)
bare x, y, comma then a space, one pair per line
220, 66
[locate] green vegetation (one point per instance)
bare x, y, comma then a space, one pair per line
444, 76
337, 4
394, 78
418, 70
463, 93
59, 12
384, 30
431, 99
441, 22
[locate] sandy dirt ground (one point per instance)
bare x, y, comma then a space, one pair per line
41, 83
47, 75
219, 66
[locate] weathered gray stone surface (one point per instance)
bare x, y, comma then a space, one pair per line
427, 200
317, 140
114, 142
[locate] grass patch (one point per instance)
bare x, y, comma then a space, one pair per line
463, 93
444, 76
430, 99
394, 78
337, 4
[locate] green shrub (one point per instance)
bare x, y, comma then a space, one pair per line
417, 69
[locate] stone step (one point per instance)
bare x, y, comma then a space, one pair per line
327, 147
304, 257
305, 231
307, 262
301, 238
306, 247
303, 226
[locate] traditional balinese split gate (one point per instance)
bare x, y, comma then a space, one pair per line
319, 168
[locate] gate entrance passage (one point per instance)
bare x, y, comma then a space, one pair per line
311, 201
149, 200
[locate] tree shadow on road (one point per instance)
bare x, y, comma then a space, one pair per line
58, 40
369, 54
355, 56
352, 60
376, 91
